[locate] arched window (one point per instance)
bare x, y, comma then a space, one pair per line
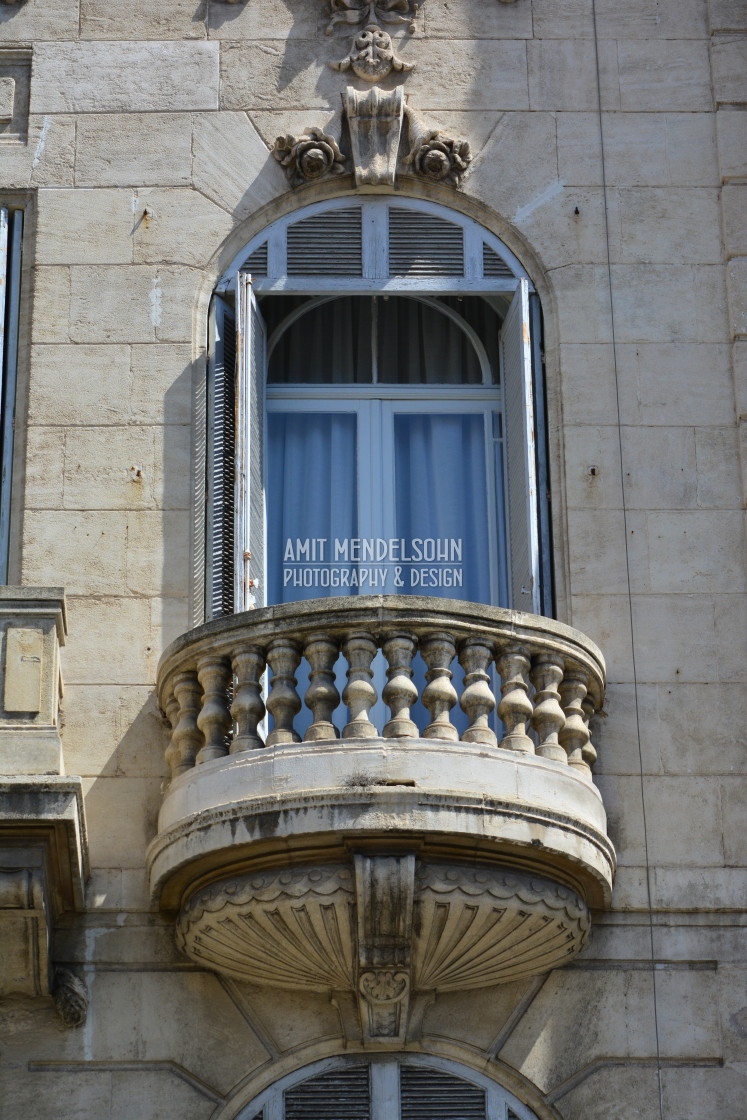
391, 1087
379, 427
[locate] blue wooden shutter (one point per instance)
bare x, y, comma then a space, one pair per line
521, 469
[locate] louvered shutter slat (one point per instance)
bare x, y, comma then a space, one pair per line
343, 1094
424, 245
492, 265
327, 244
256, 262
429, 1094
221, 452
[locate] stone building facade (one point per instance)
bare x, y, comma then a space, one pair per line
202, 916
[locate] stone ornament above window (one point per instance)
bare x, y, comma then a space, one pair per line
308, 157
372, 56
375, 121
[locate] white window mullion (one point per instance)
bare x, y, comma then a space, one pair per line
250, 438
375, 225
385, 1090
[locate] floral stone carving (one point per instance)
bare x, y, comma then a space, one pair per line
435, 156
309, 157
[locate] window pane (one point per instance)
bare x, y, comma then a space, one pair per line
311, 498
329, 344
419, 345
442, 505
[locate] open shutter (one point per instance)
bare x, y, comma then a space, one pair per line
221, 460
11, 234
250, 415
521, 470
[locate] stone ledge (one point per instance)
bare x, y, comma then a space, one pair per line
296, 804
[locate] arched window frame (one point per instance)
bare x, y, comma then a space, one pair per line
484, 266
384, 1080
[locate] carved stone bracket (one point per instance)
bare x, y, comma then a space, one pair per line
375, 123
385, 889
384, 936
308, 157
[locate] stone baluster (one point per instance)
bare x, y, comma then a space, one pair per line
187, 738
172, 715
575, 734
322, 696
283, 703
588, 751
214, 721
399, 693
548, 718
247, 709
477, 700
359, 693
515, 708
439, 694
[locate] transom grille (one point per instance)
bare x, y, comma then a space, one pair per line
423, 245
327, 244
429, 1094
343, 1094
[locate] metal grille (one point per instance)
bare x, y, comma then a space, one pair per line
422, 245
328, 244
256, 263
343, 1094
492, 264
429, 1094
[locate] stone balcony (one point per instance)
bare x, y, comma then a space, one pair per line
381, 863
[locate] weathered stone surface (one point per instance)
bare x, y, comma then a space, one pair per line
85, 227
646, 312
105, 77
231, 164
475, 20
86, 551
736, 283
728, 58
51, 312
99, 375
45, 465
46, 158
731, 126
179, 226
649, 20
129, 19
39, 20
130, 742
98, 661
126, 468
133, 149
727, 15
562, 75
155, 304
681, 226
666, 75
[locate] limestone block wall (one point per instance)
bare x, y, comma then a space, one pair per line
608, 144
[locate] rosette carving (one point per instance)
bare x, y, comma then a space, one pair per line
311, 156
439, 158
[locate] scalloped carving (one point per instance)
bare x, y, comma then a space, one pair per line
482, 927
292, 929
303, 929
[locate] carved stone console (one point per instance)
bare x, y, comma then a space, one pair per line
43, 849
383, 933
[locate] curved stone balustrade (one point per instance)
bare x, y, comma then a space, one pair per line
245, 802
552, 678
